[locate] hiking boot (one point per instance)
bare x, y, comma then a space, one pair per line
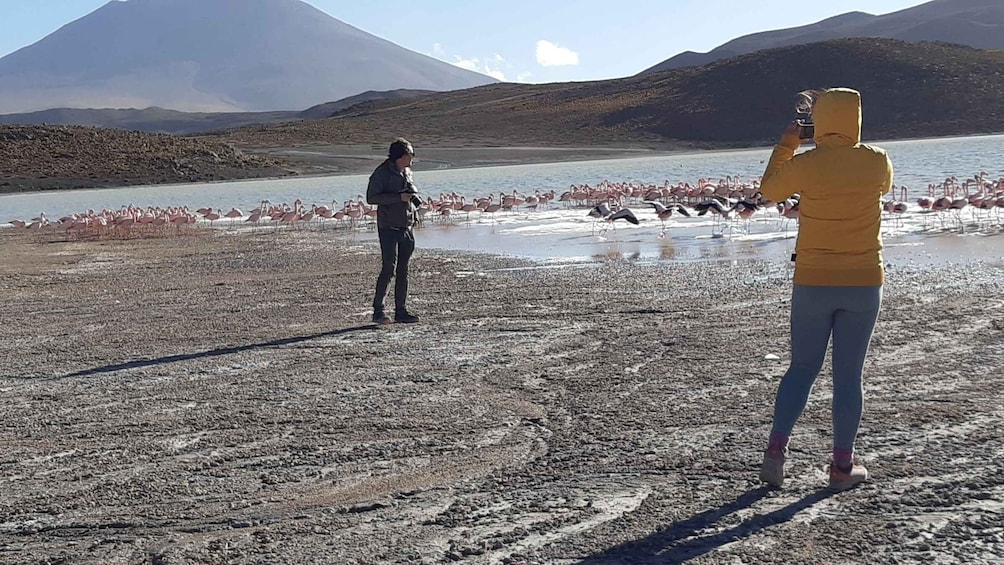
772, 470
843, 479
404, 317
380, 318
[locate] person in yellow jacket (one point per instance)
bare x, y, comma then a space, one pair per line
838, 272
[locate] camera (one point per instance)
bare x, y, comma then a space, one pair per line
409, 188
803, 111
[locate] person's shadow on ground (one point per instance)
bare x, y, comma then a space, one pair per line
674, 544
211, 353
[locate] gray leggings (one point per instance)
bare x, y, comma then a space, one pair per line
849, 313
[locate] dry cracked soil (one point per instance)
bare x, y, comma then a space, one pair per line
220, 397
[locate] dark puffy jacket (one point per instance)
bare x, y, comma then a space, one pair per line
384, 190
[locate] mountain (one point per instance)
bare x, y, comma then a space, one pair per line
908, 89
213, 56
159, 120
976, 23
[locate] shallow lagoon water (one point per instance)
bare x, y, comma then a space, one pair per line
562, 235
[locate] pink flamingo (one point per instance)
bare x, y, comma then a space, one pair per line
293, 215
467, 208
212, 217
254, 218
233, 214
666, 212
492, 208
306, 217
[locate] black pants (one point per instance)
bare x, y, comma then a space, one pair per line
396, 247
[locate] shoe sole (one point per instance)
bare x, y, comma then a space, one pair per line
770, 480
772, 476
845, 484
842, 486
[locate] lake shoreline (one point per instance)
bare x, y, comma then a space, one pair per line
347, 160
315, 161
338, 160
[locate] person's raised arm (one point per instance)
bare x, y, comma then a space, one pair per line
887, 184
783, 177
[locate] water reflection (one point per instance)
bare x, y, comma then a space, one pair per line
667, 251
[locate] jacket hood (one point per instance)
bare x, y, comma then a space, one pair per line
837, 116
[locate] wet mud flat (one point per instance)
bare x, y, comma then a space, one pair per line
222, 398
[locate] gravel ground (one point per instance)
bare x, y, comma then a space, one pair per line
222, 398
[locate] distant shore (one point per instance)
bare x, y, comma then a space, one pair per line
331, 160
358, 159
361, 159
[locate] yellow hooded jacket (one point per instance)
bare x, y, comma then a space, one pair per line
840, 183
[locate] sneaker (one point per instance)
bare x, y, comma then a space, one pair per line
843, 479
772, 470
380, 318
404, 317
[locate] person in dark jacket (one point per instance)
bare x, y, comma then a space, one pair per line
392, 191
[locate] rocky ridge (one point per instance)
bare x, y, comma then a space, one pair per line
62, 157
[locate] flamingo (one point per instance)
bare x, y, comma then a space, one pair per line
745, 210
599, 212
233, 214
492, 208
894, 206
291, 216
212, 216
719, 209
306, 217
466, 208
789, 209
326, 212
254, 218
623, 214
666, 212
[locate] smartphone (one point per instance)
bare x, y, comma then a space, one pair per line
806, 129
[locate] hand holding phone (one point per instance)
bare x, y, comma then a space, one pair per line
806, 129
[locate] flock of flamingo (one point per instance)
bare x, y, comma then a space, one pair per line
730, 199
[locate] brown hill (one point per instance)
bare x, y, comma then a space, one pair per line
160, 120
58, 157
976, 23
909, 90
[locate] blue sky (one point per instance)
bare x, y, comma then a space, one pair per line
521, 40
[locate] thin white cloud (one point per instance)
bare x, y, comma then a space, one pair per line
551, 55
494, 66
477, 65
